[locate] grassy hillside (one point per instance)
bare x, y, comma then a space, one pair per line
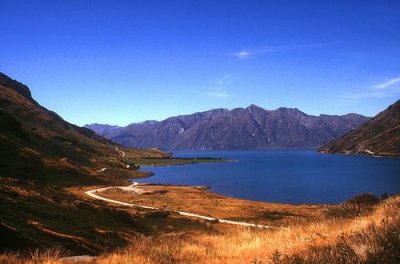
362, 230
379, 136
40, 154
41, 216
370, 236
37, 144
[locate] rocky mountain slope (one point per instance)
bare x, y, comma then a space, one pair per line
241, 128
379, 136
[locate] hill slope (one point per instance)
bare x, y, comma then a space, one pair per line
379, 136
241, 128
38, 144
39, 153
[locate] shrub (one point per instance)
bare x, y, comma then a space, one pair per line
364, 199
158, 214
358, 205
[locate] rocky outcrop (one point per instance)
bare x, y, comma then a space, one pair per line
15, 85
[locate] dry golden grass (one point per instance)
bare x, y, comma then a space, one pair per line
372, 237
44, 256
201, 201
355, 240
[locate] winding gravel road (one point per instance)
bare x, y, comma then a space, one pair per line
120, 151
94, 194
133, 188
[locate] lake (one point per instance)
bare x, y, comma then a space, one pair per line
284, 176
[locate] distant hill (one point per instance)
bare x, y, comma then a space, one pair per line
379, 136
241, 128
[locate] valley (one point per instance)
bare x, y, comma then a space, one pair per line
199, 132
60, 197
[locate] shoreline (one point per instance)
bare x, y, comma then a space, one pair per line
209, 188
133, 189
198, 160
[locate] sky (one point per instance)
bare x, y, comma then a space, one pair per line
118, 62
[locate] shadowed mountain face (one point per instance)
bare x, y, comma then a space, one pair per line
379, 136
39, 153
36, 143
241, 128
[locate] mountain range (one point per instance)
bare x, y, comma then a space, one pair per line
241, 128
42, 156
379, 136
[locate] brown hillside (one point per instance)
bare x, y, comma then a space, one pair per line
379, 136
39, 153
38, 144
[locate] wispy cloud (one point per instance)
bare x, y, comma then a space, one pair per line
388, 83
222, 94
389, 88
245, 54
249, 53
368, 95
219, 87
224, 79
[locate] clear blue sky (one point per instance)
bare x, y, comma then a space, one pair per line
119, 62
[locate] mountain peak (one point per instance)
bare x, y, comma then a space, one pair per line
253, 106
20, 88
290, 110
255, 109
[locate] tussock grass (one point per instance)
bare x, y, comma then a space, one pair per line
42, 256
203, 202
371, 238
366, 238
358, 205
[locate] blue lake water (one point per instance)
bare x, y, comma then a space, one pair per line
284, 176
